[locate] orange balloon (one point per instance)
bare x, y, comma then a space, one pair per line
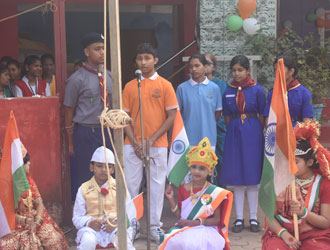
246, 8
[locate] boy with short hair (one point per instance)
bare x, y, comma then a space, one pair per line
95, 205
83, 103
159, 106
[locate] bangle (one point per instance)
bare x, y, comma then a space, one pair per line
306, 212
38, 220
38, 223
38, 217
175, 208
200, 221
280, 231
21, 220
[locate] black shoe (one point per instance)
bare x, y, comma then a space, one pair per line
254, 227
238, 226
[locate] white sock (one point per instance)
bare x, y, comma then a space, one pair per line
252, 193
239, 194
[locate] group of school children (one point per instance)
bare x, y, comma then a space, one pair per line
203, 208
35, 77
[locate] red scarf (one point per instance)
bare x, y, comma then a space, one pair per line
99, 74
240, 98
293, 84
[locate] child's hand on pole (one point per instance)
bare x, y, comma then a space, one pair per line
96, 225
297, 207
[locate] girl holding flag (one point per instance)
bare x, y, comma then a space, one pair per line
203, 208
313, 197
243, 105
35, 229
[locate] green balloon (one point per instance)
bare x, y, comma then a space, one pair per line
311, 17
234, 23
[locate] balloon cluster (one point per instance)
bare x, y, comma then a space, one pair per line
245, 9
322, 21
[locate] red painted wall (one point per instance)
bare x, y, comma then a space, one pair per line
8, 29
9, 42
38, 122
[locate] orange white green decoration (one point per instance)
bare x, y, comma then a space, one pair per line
177, 167
280, 144
13, 182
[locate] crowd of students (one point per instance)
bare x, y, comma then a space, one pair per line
223, 121
35, 76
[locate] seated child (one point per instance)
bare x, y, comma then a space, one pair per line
203, 208
313, 198
95, 211
35, 229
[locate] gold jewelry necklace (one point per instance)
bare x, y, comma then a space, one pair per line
304, 182
194, 197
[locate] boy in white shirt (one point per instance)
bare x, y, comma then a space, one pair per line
95, 210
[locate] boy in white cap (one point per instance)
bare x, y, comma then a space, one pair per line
95, 205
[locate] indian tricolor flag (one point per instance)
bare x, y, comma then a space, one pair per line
177, 167
13, 182
280, 144
134, 209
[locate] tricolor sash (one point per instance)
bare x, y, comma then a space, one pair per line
204, 209
310, 201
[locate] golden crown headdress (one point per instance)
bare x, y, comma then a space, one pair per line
203, 155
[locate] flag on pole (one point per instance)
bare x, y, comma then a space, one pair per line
134, 209
13, 182
280, 144
177, 167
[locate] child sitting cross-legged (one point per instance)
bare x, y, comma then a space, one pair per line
312, 205
95, 210
203, 208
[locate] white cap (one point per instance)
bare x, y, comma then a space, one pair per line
98, 155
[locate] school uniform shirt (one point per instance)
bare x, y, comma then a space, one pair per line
24, 89
158, 96
84, 93
198, 103
299, 102
244, 142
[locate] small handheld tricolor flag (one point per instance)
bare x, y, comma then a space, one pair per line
280, 144
13, 182
177, 167
134, 209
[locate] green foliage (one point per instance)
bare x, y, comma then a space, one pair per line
313, 60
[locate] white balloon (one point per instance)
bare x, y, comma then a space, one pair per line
288, 24
320, 12
250, 26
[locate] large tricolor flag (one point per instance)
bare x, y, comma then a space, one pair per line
13, 182
134, 209
280, 144
177, 167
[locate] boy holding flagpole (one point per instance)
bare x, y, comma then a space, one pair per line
95, 209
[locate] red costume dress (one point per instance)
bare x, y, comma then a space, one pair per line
47, 236
309, 236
